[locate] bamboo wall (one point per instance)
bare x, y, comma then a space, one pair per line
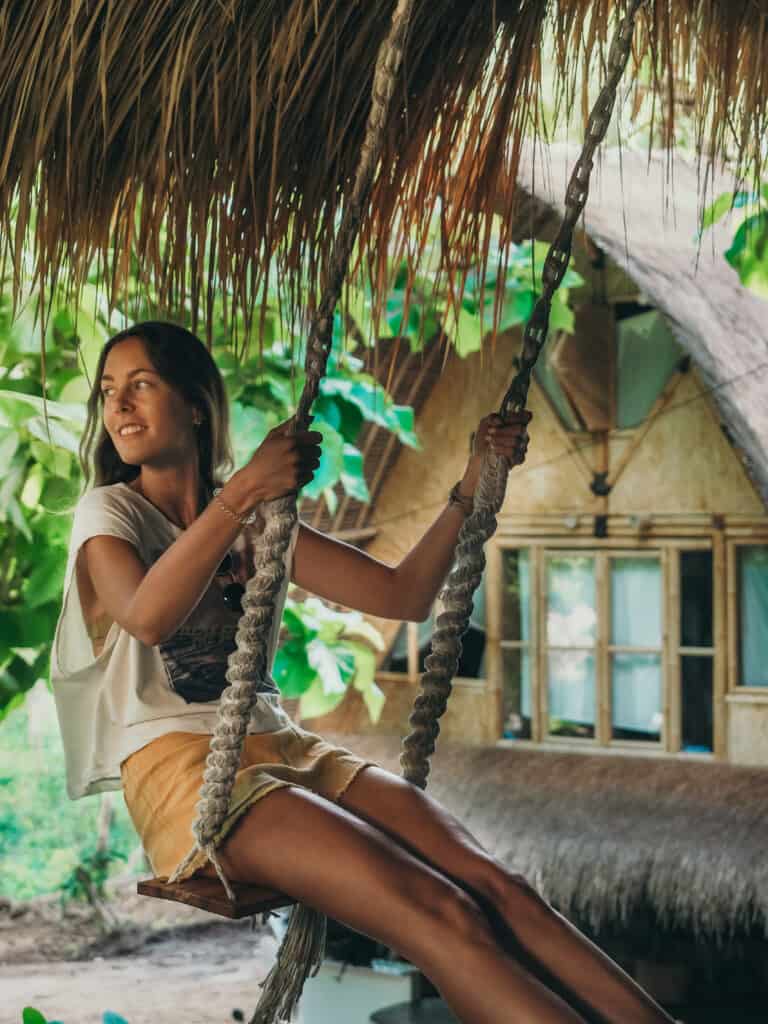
684, 479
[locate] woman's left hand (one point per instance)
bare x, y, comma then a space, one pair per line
509, 439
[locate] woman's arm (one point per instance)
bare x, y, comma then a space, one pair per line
152, 603
347, 576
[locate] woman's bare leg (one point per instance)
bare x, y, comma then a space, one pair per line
565, 956
324, 856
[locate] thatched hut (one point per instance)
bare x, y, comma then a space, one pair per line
661, 838
625, 605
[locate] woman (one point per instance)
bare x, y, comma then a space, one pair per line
138, 665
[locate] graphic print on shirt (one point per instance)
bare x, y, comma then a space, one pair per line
195, 657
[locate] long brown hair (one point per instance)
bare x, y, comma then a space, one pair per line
183, 361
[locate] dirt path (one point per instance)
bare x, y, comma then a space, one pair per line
162, 963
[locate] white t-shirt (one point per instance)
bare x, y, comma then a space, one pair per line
113, 703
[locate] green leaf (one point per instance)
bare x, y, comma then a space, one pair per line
364, 682
291, 670
9, 442
58, 461
331, 499
53, 433
721, 206
325, 662
748, 254
60, 493
331, 462
249, 428
22, 407
17, 517
401, 418
517, 308
353, 478
113, 1018
76, 391
358, 626
46, 581
295, 625
316, 701
465, 331
561, 316
357, 306
31, 1016
343, 415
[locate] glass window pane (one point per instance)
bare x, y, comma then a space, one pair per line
571, 693
636, 602
647, 355
696, 594
516, 694
697, 704
636, 697
753, 607
571, 600
516, 595
547, 378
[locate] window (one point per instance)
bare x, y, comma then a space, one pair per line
752, 593
696, 651
590, 654
516, 644
636, 647
571, 638
413, 641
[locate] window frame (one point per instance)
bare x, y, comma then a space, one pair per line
667, 550
735, 690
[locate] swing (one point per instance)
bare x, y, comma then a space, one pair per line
302, 948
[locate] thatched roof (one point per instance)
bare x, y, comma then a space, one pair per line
239, 124
647, 219
650, 231
604, 837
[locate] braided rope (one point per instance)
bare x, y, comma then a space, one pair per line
246, 666
442, 661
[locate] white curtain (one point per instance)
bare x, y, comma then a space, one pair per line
636, 622
754, 616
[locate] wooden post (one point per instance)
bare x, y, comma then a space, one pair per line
673, 678
539, 669
720, 643
603, 695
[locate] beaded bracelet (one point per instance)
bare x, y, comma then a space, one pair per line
464, 500
245, 520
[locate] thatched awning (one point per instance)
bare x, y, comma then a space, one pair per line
603, 837
239, 124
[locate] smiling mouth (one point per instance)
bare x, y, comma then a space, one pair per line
131, 432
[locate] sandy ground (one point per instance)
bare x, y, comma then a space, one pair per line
160, 962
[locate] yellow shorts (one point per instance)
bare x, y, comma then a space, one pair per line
161, 784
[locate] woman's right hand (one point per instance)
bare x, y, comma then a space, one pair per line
282, 463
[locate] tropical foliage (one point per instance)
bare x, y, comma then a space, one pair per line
748, 254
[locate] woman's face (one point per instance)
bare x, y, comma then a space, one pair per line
148, 421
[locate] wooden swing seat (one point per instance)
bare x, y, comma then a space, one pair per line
208, 894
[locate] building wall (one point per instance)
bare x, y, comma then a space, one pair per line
685, 477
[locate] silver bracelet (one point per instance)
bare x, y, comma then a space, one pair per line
246, 520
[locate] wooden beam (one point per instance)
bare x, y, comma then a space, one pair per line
426, 365
658, 407
720, 642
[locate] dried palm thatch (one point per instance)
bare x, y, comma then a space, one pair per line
606, 837
216, 137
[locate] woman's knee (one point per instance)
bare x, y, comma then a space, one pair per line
447, 920
508, 892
